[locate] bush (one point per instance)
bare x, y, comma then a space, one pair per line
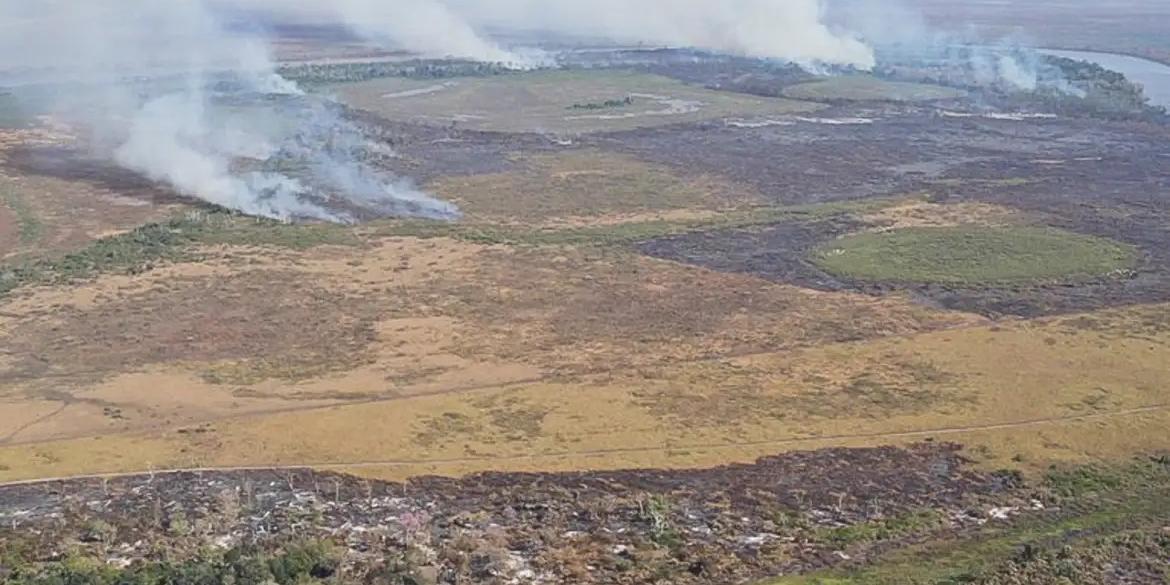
299, 563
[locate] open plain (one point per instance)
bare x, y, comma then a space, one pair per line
932, 321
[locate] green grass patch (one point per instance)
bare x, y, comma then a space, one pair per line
1096, 507
541, 101
869, 88
973, 255
973, 560
1102, 480
299, 563
141, 249
28, 225
914, 522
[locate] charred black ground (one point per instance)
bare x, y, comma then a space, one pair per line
815, 511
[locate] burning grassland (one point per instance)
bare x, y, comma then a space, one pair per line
421, 316
660, 261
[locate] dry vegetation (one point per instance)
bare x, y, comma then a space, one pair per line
42, 215
1072, 384
543, 102
589, 187
534, 336
865, 88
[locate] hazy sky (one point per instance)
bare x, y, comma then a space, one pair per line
48, 31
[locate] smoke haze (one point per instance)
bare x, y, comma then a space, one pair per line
791, 30
145, 80
163, 89
166, 89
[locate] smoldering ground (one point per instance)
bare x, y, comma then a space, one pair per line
182, 94
165, 90
171, 91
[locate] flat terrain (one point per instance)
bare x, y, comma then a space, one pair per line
690, 283
556, 102
1135, 27
599, 292
866, 88
987, 255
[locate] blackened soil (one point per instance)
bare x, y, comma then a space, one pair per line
1108, 179
720, 525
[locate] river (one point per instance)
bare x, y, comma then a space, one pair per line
1154, 76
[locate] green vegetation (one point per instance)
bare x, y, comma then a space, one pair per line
655, 511
1100, 89
536, 101
297, 564
607, 104
325, 73
1100, 516
1102, 480
140, 250
973, 255
27, 223
868, 88
915, 522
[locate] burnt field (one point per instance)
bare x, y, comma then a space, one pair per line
1105, 179
780, 515
878, 515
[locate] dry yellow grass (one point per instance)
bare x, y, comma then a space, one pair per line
249, 330
1024, 394
916, 214
583, 186
402, 356
543, 101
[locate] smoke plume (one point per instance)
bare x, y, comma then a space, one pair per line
897, 29
166, 89
790, 30
163, 89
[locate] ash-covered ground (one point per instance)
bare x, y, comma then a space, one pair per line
779, 515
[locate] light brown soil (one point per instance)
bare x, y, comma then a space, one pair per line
9, 232
588, 186
924, 214
73, 204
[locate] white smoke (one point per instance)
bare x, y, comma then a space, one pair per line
791, 30
428, 27
1018, 73
146, 79
167, 91
896, 26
